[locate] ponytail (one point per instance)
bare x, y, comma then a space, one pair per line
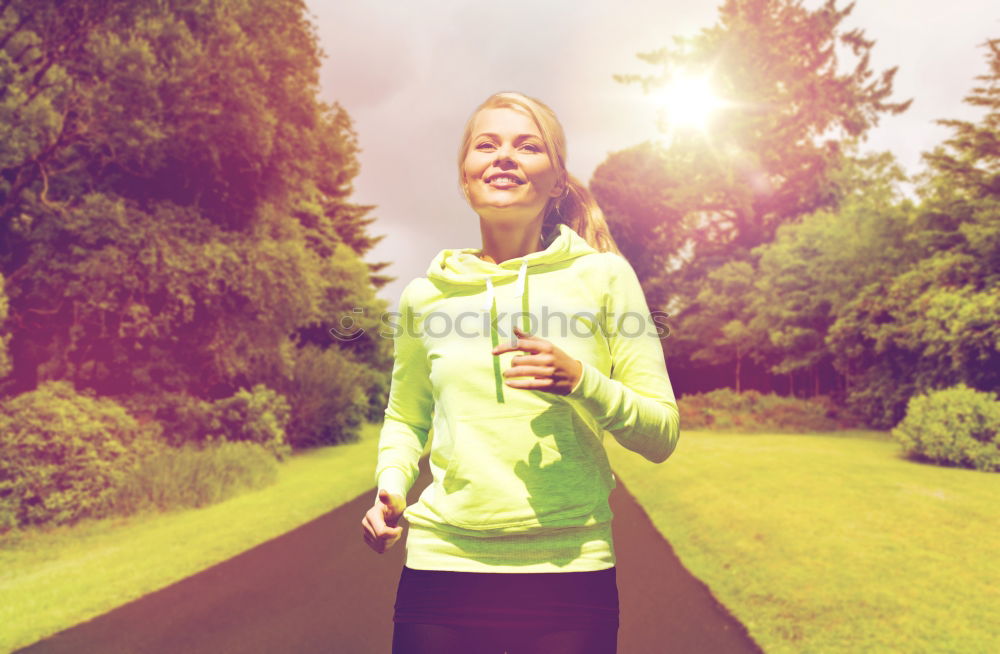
578, 210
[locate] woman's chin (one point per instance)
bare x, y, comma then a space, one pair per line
507, 215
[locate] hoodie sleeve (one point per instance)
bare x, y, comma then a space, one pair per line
636, 403
408, 414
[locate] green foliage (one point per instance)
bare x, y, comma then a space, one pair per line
723, 319
702, 200
259, 415
174, 204
751, 410
62, 453
957, 426
186, 419
5, 363
816, 265
933, 320
193, 475
329, 394
207, 103
830, 272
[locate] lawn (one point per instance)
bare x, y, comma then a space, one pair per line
830, 542
817, 543
52, 580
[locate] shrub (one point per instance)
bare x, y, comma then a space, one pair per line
957, 426
329, 395
185, 418
725, 409
194, 475
376, 384
259, 415
62, 452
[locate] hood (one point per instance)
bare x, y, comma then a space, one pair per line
462, 268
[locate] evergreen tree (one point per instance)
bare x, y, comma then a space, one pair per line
686, 210
936, 322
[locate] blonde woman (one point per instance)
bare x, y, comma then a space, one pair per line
520, 355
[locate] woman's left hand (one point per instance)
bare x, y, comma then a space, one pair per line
552, 369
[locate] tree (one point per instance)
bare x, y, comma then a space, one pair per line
174, 199
766, 161
936, 322
723, 327
817, 265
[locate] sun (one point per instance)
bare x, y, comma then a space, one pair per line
688, 102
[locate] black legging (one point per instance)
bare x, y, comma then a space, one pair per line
415, 638
557, 613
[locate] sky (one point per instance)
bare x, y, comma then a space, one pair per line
410, 74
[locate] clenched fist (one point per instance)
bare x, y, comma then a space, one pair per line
380, 523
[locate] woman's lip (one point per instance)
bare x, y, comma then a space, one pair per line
502, 183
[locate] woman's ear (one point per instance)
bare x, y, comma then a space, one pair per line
558, 190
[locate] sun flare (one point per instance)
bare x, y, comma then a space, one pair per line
688, 102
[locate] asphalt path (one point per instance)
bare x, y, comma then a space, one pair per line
320, 588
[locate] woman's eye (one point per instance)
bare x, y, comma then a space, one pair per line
532, 147
484, 145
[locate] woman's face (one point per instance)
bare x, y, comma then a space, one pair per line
507, 171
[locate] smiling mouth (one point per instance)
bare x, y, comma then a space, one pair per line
503, 181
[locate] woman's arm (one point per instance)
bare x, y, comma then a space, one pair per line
636, 403
408, 414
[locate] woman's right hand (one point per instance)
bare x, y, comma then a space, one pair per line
380, 523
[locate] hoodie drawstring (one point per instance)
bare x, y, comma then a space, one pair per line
491, 304
522, 286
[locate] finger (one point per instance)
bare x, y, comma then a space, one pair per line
537, 359
529, 371
528, 344
530, 383
371, 527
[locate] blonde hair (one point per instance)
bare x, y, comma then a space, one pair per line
576, 208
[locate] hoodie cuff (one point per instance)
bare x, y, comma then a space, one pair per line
392, 480
599, 396
587, 384
579, 382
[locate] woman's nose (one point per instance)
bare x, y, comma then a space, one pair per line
504, 153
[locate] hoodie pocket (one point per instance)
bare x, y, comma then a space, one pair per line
519, 470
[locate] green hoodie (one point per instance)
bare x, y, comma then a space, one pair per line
520, 477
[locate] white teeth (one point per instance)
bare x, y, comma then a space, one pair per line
504, 179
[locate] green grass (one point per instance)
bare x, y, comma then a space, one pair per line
830, 542
818, 543
53, 579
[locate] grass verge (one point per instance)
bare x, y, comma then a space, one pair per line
53, 579
830, 542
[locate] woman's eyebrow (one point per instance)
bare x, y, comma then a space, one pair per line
517, 138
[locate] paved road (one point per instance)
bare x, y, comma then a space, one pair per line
319, 588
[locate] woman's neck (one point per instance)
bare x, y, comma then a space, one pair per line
504, 243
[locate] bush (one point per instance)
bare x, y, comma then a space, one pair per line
725, 409
330, 399
957, 426
259, 415
185, 418
63, 452
377, 393
194, 475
